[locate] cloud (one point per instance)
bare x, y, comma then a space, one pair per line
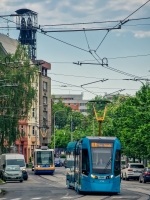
66, 11
142, 34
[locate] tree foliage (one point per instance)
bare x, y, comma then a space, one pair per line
15, 101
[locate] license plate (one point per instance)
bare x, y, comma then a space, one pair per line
101, 177
137, 172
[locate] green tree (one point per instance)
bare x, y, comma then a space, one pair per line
15, 102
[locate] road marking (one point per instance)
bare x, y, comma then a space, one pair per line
16, 199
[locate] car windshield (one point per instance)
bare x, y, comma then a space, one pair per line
137, 166
101, 160
44, 158
19, 162
57, 159
12, 168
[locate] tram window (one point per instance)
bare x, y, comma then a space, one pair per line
85, 162
101, 157
117, 163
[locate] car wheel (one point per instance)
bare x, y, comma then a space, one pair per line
140, 180
21, 181
123, 178
144, 181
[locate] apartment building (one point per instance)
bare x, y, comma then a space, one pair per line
37, 127
75, 101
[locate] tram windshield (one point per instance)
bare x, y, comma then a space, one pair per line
44, 158
101, 160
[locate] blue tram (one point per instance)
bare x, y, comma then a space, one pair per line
94, 165
44, 161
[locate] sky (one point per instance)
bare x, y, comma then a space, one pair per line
126, 49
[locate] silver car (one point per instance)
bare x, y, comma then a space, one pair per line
12, 173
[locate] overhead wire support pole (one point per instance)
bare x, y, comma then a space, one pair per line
100, 119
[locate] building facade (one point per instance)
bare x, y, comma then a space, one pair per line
75, 101
37, 127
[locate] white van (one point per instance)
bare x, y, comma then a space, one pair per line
13, 159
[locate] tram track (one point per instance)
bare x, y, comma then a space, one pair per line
143, 195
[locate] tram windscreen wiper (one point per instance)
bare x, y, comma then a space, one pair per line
107, 165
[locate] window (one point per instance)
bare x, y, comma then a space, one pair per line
33, 113
101, 157
45, 114
85, 162
44, 72
82, 104
19, 162
117, 163
44, 158
83, 110
22, 129
44, 85
74, 104
44, 100
33, 130
137, 166
68, 104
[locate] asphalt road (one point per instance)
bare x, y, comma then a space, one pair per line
48, 187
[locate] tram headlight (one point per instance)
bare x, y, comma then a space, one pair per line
110, 176
38, 166
93, 176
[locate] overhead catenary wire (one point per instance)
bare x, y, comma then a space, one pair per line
122, 22
84, 23
64, 42
111, 58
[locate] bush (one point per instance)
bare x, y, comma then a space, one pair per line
62, 156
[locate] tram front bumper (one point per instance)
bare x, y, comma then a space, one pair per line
44, 170
101, 186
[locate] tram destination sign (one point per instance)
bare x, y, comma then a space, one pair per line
96, 144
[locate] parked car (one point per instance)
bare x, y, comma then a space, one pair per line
132, 171
58, 162
65, 163
62, 160
14, 159
145, 175
12, 173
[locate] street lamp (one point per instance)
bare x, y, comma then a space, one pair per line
54, 125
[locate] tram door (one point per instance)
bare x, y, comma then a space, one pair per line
80, 168
84, 165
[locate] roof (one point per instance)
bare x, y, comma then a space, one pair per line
71, 146
13, 155
102, 138
24, 10
9, 44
